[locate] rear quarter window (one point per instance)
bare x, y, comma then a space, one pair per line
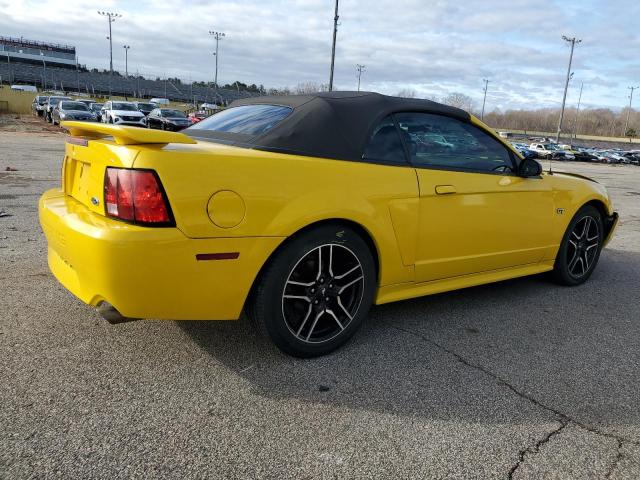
250, 120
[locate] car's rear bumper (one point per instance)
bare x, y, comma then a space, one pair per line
147, 272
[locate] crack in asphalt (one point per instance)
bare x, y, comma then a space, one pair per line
563, 418
536, 448
616, 461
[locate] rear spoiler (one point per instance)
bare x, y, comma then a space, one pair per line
124, 135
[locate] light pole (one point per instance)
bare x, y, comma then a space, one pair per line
575, 120
484, 101
111, 17
573, 42
626, 124
217, 36
9, 66
333, 47
360, 69
126, 60
44, 72
77, 75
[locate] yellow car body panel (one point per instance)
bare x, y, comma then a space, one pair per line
147, 272
230, 199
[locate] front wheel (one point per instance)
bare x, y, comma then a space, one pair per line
580, 248
316, 292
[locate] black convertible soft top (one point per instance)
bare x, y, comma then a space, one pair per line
334, 125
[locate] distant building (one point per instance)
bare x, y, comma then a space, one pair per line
29, 51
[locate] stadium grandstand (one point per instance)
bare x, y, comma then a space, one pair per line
53, 67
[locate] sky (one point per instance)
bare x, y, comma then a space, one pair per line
430, 46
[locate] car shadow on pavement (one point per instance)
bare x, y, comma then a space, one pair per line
475, 354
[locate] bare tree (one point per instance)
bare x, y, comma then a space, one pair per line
458, 100
407, 93
310, 87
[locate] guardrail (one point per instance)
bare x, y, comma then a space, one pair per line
569, 138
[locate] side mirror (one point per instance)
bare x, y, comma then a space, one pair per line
529, 168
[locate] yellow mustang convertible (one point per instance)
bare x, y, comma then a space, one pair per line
305, 210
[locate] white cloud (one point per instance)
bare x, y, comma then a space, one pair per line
434, 47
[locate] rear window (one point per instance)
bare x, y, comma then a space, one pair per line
246, 120
73, 106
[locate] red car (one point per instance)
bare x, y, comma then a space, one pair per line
195, 117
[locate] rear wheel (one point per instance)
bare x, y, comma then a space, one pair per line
316, 292
580, 248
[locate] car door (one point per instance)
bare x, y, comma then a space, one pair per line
475, 213
152, 118
104, 112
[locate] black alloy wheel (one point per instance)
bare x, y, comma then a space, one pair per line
580, 248
315, 292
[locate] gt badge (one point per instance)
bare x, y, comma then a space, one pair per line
560, 211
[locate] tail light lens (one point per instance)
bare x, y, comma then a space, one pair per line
136, 196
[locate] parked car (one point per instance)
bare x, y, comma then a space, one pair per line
38, 105
86, 101
122, 113
52, 101
72, 110
547, 150
96, 108
305, 210
145, 107
610, 156
167, 119
160, 101
577, 154
195, 117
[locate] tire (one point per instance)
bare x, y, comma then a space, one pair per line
580, 248
309, 311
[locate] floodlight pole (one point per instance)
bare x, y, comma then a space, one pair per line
484, 101
575, 120
126, 60
44, 72
9, 67
626, 124
360, 69
111, 17
217, 36
573, 42
333, 48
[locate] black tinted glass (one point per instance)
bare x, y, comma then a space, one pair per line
247, 119
385, 144
439, 141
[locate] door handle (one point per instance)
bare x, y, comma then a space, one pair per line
445, 189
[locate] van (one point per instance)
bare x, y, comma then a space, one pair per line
24, 88
160, 101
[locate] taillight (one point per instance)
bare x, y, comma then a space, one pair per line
136, 196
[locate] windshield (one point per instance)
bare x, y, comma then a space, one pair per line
130, 107
247, 119
172, 113
56, 99
146, 106
96, 106
73, 106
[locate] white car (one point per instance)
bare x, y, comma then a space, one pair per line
550, 150
122, 113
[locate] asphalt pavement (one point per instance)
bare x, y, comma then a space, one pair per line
518, 379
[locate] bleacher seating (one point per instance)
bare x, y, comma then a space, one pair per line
103, 84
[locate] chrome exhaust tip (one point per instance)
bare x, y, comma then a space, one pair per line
113, 316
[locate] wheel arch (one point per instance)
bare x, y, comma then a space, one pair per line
608, 221
364, 233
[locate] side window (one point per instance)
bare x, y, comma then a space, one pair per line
440, 141
385, 144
